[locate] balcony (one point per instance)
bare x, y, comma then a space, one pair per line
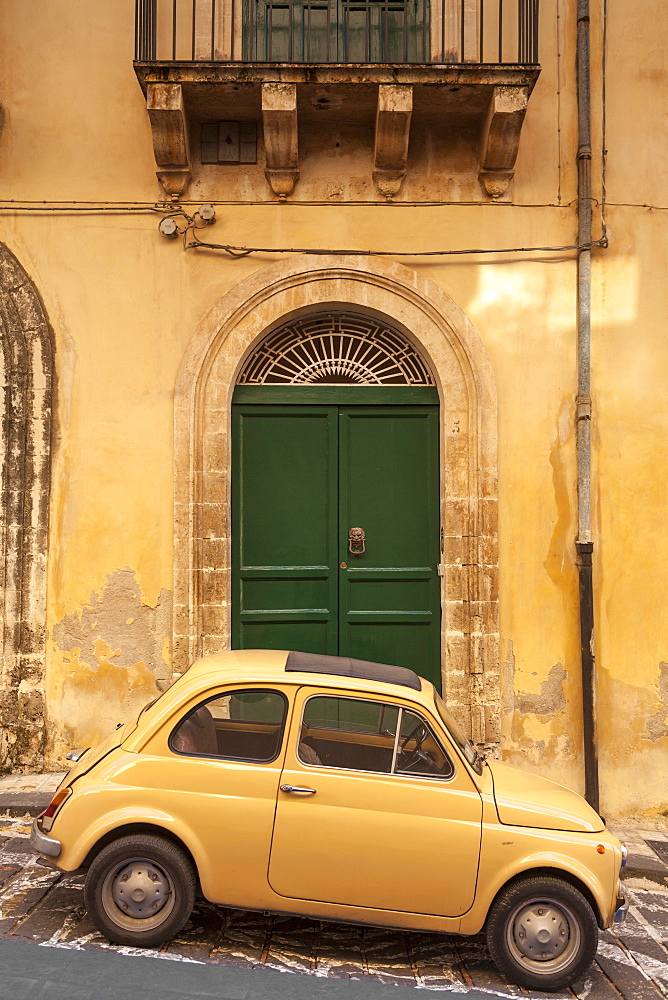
402, 68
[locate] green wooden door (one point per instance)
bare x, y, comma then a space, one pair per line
284, 528
389, 597
303, 476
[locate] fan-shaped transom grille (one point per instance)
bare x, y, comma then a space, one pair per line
335, 349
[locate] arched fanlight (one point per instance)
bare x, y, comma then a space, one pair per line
335, 348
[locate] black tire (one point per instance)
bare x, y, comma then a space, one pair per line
140, 890
542, 933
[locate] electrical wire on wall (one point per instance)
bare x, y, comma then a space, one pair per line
238, 251
204, 215
180, 223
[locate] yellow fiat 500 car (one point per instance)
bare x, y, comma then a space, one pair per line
337, 789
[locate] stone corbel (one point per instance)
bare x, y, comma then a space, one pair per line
393, 122
166, 112
279, 124
500, 138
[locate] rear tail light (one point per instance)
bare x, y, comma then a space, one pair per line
49, 814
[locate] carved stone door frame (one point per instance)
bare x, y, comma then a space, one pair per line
432, 321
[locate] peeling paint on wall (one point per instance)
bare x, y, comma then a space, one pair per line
536, 734
656, 726
114, 657
551, 698
117, 615
507, 683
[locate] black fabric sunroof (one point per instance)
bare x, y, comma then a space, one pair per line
314, 663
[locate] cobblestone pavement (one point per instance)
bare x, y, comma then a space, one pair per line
40, 905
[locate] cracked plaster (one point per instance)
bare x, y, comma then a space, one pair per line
115, 655
656, 726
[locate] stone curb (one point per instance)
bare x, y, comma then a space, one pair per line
24, 803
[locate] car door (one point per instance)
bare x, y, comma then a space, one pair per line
215, 768
356, 825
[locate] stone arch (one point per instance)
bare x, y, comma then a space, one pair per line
445, 337
26, 358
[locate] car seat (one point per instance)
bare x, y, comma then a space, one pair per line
196, 734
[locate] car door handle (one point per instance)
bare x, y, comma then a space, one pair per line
298, 788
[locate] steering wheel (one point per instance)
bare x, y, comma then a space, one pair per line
417, 755
419, 740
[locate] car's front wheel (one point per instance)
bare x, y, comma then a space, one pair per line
140, 890
542, 933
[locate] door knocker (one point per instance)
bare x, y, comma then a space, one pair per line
356, 541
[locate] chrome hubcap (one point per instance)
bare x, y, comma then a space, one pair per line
541, 932
140, 889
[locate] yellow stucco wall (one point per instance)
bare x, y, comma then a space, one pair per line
124, 302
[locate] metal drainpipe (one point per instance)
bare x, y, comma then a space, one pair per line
584, 543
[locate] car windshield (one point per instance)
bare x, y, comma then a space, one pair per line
465, 745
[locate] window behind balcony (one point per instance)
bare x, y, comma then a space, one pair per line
336, 31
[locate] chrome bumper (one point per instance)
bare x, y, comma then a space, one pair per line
43, 844
622, 907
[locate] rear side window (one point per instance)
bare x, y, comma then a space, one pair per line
239, 725
360, 735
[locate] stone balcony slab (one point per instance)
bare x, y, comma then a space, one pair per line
388, 116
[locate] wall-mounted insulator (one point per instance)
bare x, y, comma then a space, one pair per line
169, 228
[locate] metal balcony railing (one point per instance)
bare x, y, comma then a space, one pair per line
338, 31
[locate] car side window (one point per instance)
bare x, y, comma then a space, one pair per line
239, 725
348, 733
419, 752
360, 735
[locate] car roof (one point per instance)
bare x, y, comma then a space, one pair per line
345, 666
282, 665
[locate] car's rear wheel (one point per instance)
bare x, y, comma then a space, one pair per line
542, 933
140, 890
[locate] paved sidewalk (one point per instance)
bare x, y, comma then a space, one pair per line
41, 906
27, 794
